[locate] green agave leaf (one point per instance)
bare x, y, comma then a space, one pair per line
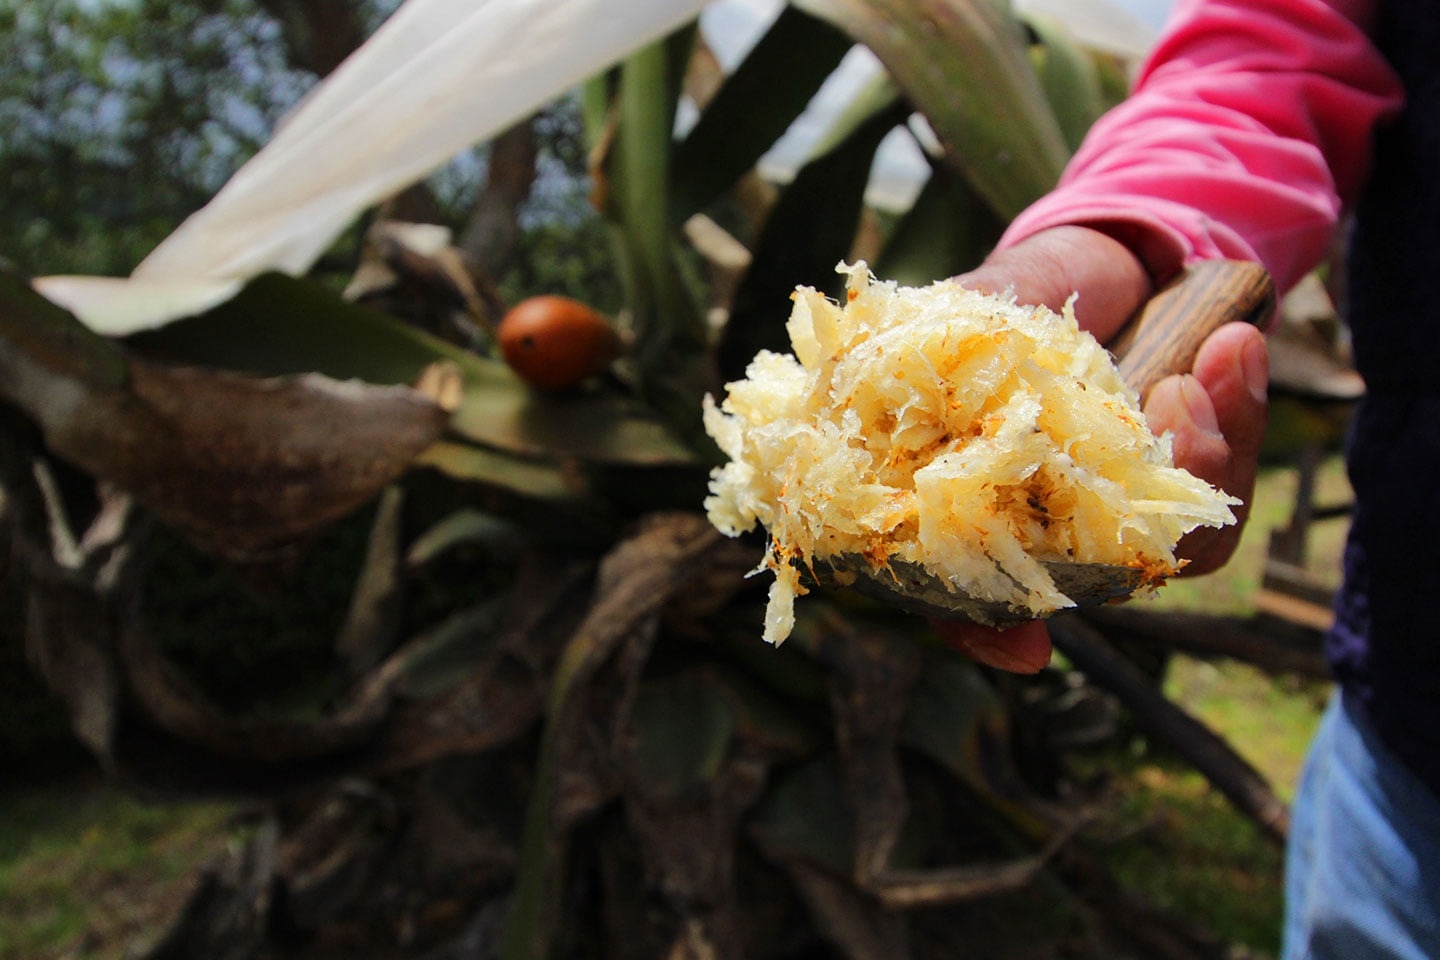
952, 712
550, 502
670, 335
762, 718
596, 426
683, 726
756, 105
639, 180
871, 100
461, 528
1114, 79
965, 65
278, 324
804, 816
468, 462
1070, 77
948, 230
810, 230
448, 652
283, 325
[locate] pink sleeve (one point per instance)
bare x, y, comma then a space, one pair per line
1248, 131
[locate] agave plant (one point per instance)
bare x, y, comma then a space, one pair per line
540, 721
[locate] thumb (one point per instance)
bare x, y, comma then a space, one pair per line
1217, 416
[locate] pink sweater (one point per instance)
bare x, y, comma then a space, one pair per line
1247, 134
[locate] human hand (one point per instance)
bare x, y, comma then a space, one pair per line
1216, 412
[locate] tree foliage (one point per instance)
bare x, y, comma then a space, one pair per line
120, 119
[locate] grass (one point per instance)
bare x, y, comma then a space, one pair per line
89, 872
1268, 720
1179, 844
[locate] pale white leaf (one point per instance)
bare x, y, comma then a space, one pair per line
436, 78
1125, 29
115, 307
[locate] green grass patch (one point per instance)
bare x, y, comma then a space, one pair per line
87, 871
1178, 842
1268, 720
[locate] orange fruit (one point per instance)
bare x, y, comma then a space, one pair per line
556, 343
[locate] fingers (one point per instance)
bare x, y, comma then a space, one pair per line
1217, 414
1023, 648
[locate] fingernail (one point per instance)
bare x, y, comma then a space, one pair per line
1198, 406
1255, 367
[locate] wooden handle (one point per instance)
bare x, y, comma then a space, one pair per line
1165, 335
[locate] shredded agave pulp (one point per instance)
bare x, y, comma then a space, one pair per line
951, 429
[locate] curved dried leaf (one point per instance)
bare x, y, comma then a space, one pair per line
243, 466
682, 728
635, 580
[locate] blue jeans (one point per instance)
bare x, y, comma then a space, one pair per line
1363, 864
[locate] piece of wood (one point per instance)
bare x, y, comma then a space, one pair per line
1164, 337
1279, 648
1293, 609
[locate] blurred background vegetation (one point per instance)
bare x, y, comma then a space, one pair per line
510, 702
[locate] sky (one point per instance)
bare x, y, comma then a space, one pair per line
1152, 12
